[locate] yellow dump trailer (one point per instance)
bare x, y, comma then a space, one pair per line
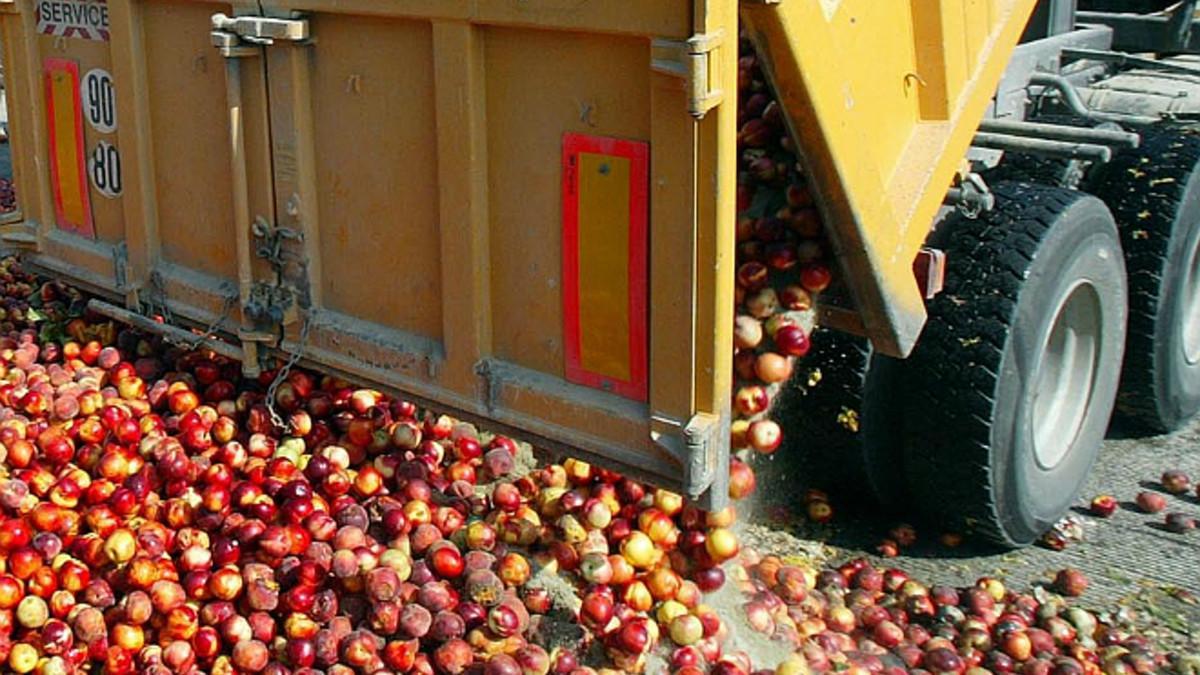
522, 211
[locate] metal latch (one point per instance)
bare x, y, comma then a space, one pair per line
239, 35
696, 445
692, 60
273, 305
971, 195
270, 241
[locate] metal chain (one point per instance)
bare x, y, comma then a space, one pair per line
292, 360
211, 331
157, 300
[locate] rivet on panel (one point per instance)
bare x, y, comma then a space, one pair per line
587, 110
60, 43
354, 84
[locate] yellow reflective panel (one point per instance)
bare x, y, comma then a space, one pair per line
604, 265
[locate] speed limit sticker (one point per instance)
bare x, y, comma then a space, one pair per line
104, 166
99, 100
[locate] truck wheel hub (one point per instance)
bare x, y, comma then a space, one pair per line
1066, 375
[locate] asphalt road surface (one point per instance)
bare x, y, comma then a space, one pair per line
1134, 564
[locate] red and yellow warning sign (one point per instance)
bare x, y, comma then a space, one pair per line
605, 202
68, 158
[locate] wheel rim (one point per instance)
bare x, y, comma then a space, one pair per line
1191, 307
1066, 374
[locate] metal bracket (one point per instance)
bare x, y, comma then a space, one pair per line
242, 35
261, 29
693, 61
120, 264
122, 273
971, 196
230, 46
696, 446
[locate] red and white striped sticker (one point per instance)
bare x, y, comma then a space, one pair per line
86, 19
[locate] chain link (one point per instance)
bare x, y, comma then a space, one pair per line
292, 360
157, 300
211, 331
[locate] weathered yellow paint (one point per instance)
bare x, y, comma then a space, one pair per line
67, 118
463, 199
713, 245
541, 84
884, 99
604, 264
189, 131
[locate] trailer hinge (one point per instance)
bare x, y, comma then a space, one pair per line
241, 35
695, 445
123, 273
692, 60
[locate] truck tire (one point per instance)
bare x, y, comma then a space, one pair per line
1013, 381
1154, 194
845, 430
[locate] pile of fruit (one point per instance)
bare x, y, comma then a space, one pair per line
153, 519
156, 517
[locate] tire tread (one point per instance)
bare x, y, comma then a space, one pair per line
1145, 190
954, 371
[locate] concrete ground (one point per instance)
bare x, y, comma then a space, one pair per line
1134, 564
